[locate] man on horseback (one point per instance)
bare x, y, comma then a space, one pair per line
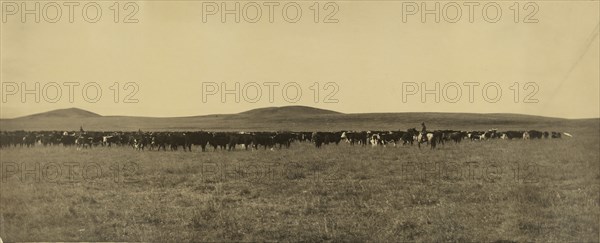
82, 140
423, 132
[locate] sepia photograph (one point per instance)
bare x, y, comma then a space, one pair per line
300, 121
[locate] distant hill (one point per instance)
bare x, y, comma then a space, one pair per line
62, 113
288, 111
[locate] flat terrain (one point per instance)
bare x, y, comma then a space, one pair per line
540, 190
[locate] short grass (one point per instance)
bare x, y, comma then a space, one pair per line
544, 191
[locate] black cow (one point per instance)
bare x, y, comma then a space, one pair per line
264, 139
239, 138
304, 136
283, 139
219, 139
29, 140
556, 135
534, 134
83, 141
546, 134
512, 135
159, 140
177, 139
409, 136
199, 138
320, 138
457, 136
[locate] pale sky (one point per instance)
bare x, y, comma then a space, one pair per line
370, 55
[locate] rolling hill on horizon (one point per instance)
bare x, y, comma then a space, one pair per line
288, 111
293, 118
61, 113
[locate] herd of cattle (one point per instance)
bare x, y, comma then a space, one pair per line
229, 140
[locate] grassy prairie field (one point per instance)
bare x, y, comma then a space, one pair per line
540, 190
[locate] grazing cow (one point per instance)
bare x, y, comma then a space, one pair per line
83, 141
240, 138
283, 139
345, 137
320, 138
199, 138
111, 139
177, 139
95, 137
55, 138
334, 137
67, 139
219, 139
410, 136
304, 136
375, 139
492, 133
391, 137
535, 134
46, 138
264, 139
385, 137
446, 136
355, 137
512, 135
437, 138
159, 140
457, 136
4, 139
475, 135
29, 140
140, 142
